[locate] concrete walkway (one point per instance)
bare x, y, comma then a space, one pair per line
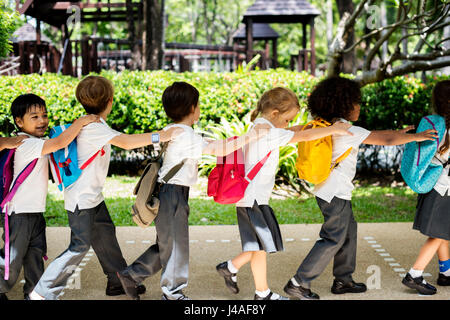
386, 251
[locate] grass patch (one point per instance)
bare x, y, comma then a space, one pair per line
370, 204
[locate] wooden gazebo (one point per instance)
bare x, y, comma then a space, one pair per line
261, 32
284, 11
58, 13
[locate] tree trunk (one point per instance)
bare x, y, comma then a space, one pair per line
329, 22
136, 57
153, 35
446, 44
349, 59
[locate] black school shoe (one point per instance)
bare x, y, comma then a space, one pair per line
179, 295
417, 284
222, 269
129, 286
443, 280
269, 296
3, 297
300, 292
340, 287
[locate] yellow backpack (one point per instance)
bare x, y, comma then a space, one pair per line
314, 157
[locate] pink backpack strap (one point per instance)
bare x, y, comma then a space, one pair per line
20, 178
251, 175
6, 276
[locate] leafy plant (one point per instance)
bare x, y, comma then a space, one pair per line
8, 20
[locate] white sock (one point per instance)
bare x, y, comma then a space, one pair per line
446, 273
415, 273
262, 294
295, 282
35, 296
231, 267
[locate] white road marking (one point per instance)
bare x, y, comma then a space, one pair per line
130, 241
368, 238
389, 259
146, 241
305, 239
376, 246
399, 270
394, 264
289, 240
210, 241
225, 240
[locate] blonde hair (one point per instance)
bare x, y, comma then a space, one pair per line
279, 98
94, 93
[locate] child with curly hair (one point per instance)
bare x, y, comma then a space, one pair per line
338, 99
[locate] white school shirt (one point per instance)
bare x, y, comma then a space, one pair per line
260, 188
339, 182
443, 183
86, 191
31, 195
188, 145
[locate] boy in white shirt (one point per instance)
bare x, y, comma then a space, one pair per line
171, 250
26, 221
338, 99
89, 218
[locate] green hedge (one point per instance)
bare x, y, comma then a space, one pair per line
390, 104
137, 101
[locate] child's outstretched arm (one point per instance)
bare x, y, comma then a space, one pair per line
221, 148
67, 136
340, 128
11, 142
139, 140
394, 138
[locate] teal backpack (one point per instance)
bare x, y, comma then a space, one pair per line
64, 162
419, 173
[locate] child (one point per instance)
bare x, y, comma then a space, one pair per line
11, 142
89, 219
258, 225
171, 250
26, 221
433, 209
338, 99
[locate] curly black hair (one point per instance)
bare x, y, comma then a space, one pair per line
334, 98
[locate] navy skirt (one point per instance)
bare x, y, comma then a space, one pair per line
259, 229
433, 215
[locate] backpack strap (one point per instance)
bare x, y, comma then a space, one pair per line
172, 172
16, 184
88, 162
341, 158
251, 175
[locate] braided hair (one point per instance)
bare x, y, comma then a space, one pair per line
440, 100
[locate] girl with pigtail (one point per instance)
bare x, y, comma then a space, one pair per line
258, 226
433, 208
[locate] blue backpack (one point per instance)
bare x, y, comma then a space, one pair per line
419, 173
64, 162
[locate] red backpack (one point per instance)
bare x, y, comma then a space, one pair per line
227, 181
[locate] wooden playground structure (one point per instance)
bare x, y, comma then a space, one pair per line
35, 54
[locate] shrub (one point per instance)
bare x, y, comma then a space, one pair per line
225, 100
